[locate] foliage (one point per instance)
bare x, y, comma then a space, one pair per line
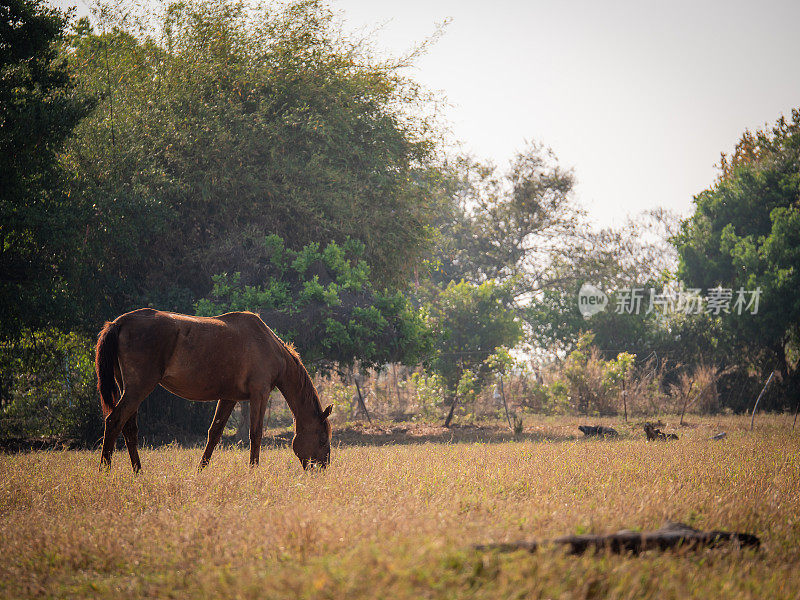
39, 225
220, 155
620, 369
499, 225
429, 390
745, 233
322, 300
470, 322
222, 122
637, 254
585, 376
589, 384
48, 387
501, 362
467, 389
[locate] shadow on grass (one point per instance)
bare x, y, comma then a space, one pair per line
384, 435
351, 434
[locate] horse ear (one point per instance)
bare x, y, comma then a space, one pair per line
327, 412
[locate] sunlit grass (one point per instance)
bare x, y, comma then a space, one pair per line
397, 521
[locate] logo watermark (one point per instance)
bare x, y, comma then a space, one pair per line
591, 300
670, 300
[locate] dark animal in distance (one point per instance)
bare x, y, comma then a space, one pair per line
225, 359
654, 434
598, 430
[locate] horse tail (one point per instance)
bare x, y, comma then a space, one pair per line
104, 362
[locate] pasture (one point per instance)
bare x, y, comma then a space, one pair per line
396, 520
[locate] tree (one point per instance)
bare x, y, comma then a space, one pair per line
500, 225
225, 123
636, 255
502, 364
470, 322
745, 234
322, 300
40, 225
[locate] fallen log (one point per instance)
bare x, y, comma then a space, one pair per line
598, 430
670, 535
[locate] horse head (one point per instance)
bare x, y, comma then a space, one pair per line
312, 444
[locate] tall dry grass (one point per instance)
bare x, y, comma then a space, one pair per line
398, 521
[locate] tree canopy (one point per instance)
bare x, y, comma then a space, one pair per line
215, 155
39, 108
220, 124
745, 233
470, 322
322, 300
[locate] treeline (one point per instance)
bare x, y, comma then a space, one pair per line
212, 155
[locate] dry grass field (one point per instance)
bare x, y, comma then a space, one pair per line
397, 520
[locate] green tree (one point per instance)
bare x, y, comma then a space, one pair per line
745, 233
638, 255
227, 123
322, 300
40, 225
470, 322
50, 387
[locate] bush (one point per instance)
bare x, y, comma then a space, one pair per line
429, 394
48, 387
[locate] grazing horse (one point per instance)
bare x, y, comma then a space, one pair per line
227, 359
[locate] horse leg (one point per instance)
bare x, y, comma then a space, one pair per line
257, 408
126, 407
131, 433
221, 416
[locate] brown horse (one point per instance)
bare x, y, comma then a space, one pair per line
226, 359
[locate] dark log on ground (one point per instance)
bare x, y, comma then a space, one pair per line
656, 434
598, 430
670, 535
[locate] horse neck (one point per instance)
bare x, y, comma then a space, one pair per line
300, 394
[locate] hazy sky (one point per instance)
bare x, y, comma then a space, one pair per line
638, 97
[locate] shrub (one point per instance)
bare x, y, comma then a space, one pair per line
48, 387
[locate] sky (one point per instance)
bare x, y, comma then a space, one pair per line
639, 98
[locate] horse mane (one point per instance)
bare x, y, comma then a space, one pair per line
307, 391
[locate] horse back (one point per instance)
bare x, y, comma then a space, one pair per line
201, 358
146, 337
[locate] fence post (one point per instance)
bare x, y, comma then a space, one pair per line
753, 418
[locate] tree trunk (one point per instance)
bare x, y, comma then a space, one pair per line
397, 389
505, 404
452, 410
624, 401
361, 400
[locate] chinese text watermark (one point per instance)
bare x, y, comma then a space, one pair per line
671, 299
